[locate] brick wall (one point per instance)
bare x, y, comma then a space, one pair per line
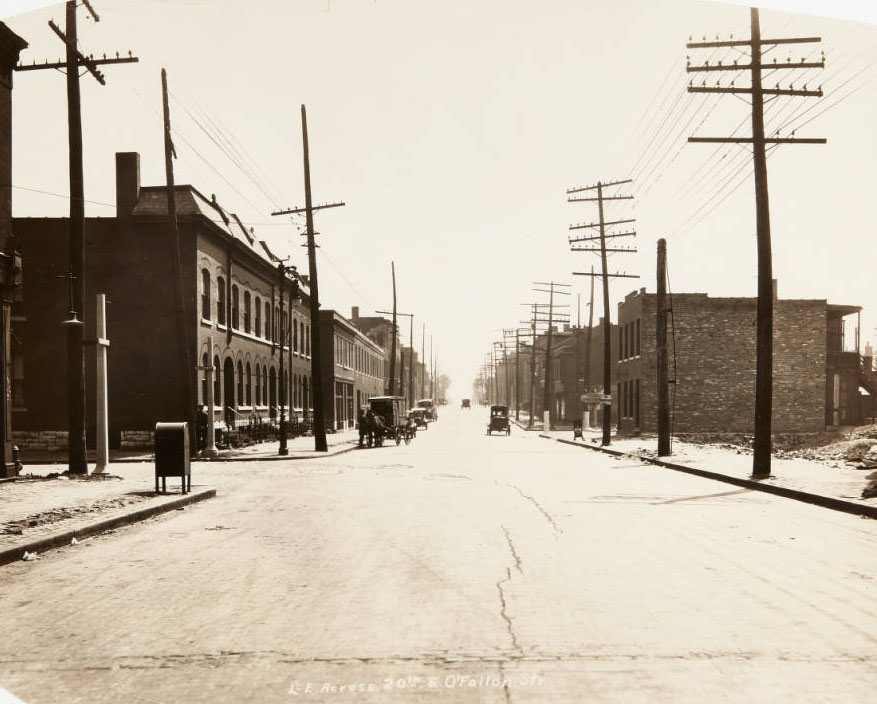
715, 363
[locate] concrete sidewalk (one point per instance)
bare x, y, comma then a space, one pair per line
833, 484
44, 508
300, 447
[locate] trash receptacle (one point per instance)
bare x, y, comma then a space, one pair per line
172, 455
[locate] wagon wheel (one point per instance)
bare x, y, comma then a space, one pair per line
407, 438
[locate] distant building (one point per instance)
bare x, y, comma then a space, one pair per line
712, 357
380, 331
231, 290
352, 369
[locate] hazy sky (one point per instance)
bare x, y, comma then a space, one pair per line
452, 130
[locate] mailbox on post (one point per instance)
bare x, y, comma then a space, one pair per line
172, 455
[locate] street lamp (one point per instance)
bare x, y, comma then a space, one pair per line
282, 271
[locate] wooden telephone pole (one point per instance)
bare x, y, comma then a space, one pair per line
761, 459
661, 352
603, 250
76, 273
187, 400
320, 444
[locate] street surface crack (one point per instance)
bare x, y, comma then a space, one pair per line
502, 612
541, 510
512, 550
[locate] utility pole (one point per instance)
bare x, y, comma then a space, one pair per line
560, 289
590, 341
76, 271
603, 250
282, 271
402, 387
316, 356
761, 459
185, 354
661, 352
423, 362
102, 446
395, 332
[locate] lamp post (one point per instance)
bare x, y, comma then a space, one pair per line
282, 270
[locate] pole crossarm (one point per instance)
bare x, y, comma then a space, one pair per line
748, 67
632, 233
598, 274
594, 200
88, 61
748, 42
579, 189
293, 211
767, 140
631, 250
749, 91
63, 64
583, 226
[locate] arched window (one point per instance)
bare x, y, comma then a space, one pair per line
264, 386
258, 309
220, 300
277, 320
295, 402
217, 383
294, 336
305, 400
204, 379
301, 337
205, 294
249, 387
240, 396
258, 385
267, 320
235, 313
247, 312
308, 340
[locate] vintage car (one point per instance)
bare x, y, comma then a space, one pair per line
499, 420
429, 407
418, 415
466, 403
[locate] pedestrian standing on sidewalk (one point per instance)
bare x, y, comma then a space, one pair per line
202, 427
361, 424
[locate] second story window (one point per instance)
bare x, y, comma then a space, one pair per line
247, 320
205, 294
220, 300
258, 308
235, 312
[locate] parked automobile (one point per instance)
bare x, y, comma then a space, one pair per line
418, 415
499, 420
429, 407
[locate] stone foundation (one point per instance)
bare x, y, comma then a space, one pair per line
45, 440
137, 440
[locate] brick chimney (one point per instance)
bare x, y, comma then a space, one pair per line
354, 312
127, 182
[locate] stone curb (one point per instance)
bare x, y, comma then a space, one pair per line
796, 494
64, 537
235, 458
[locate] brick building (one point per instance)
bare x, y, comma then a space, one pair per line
11, 360
714, 342
231, 295
352, 369
379, 330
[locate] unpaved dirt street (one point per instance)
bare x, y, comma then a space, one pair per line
463, 568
